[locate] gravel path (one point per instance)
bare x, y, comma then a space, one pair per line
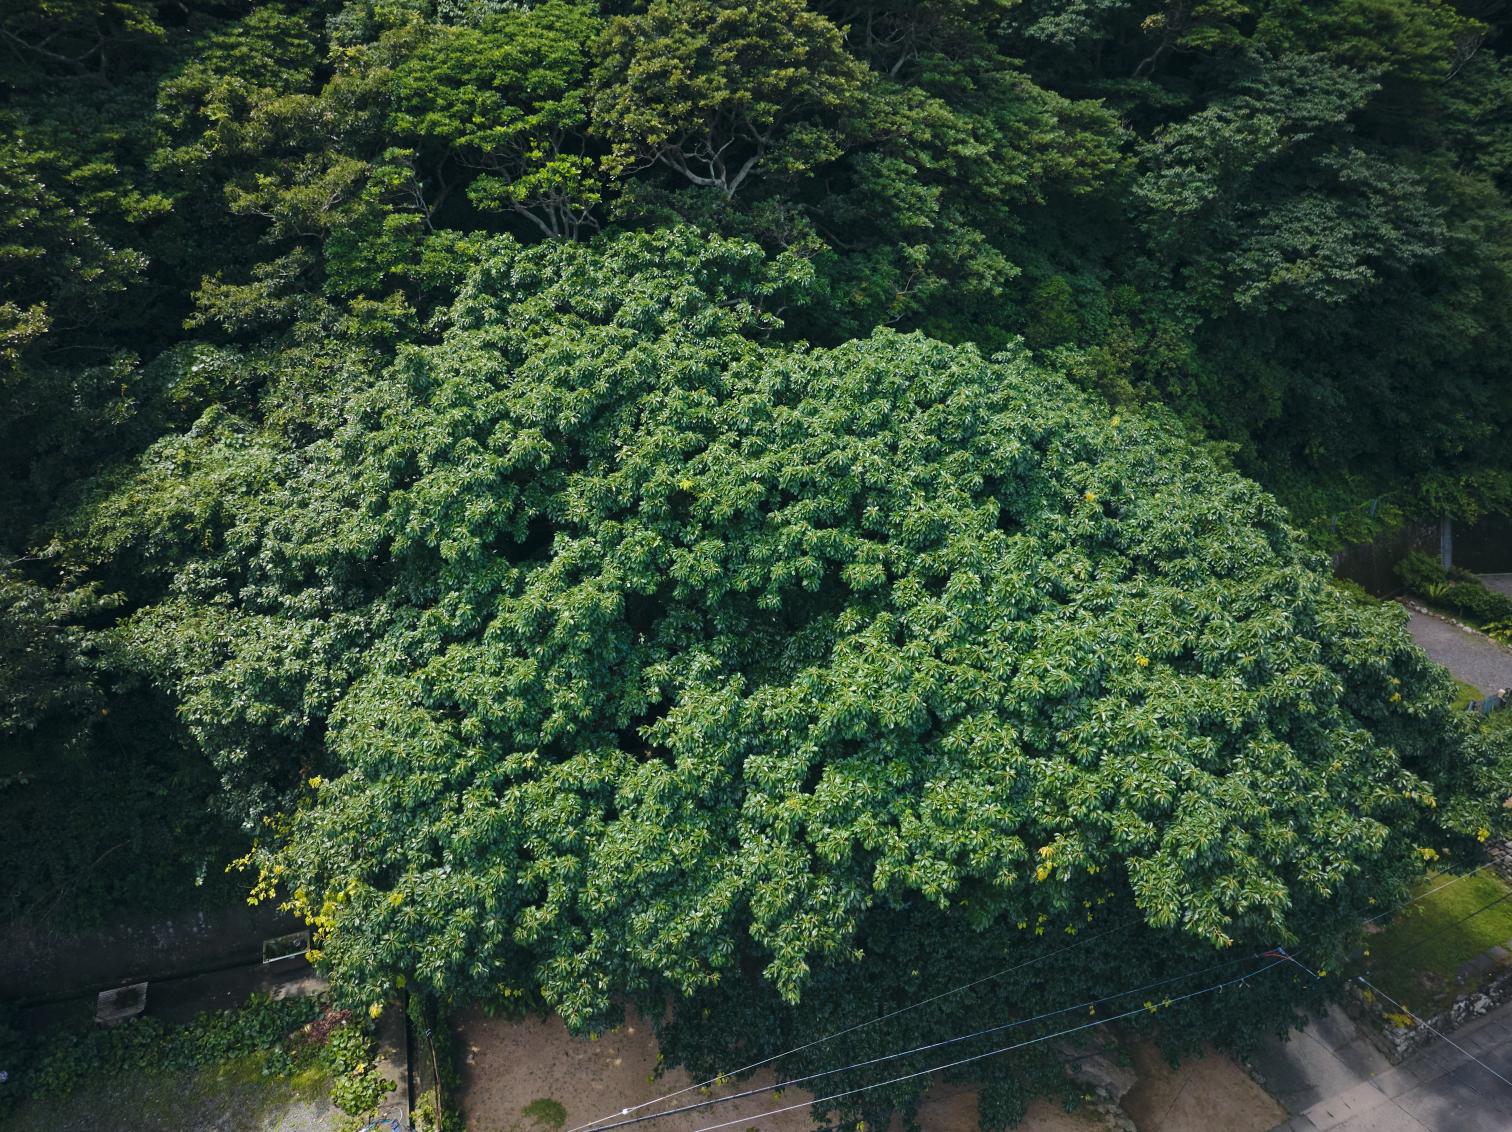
1473, 658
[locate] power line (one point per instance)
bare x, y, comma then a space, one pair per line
1091, 1003
1430, 892
852, 1029
1428, 938
1282, 955
1287, 957
990, 1053
1377, 990
1434, 1031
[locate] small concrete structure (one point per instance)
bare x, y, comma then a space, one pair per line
289, 946
393, 1064
117, 1005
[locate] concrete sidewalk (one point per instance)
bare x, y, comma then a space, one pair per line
1330, 1077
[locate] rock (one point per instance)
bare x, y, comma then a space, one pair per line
1105, 1075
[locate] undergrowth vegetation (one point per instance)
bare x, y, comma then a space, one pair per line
294, 1037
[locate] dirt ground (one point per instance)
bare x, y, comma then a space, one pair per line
1203, 1095
509, 1065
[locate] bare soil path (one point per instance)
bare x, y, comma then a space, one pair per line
1202, 1095
509, 1065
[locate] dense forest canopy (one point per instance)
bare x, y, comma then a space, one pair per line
763, 505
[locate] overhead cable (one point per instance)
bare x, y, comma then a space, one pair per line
593, 1124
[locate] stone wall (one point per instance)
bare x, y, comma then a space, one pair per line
1397, 1042
38, 965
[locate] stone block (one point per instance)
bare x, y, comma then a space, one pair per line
115, 1006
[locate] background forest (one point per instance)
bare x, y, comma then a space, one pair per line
451, 452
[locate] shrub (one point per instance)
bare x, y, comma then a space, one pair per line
1457, 589
1419, 571
1477, 602
66, 1059
294, 1033
1356, 592
350, 1056
359, 1090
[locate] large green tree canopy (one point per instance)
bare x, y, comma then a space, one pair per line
626, 650
735, 501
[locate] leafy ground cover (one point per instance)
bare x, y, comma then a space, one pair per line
270, 1054
1416, 959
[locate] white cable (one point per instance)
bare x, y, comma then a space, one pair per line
1430, 892
852, 1029
781, 1085
1436, 1033
980, 1056
592, 1124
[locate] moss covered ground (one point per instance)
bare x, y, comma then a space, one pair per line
1417, 959
232, 1097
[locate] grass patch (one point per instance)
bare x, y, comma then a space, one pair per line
546, 1112
1415, 960
1464, 693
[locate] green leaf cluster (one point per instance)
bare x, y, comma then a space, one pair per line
744, 504
629, 651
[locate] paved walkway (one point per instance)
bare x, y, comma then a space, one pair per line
1501, 583
1331, 1078
1472, 657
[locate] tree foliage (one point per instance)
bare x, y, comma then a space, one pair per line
626, 650
766, 506
716, 90
509, 96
